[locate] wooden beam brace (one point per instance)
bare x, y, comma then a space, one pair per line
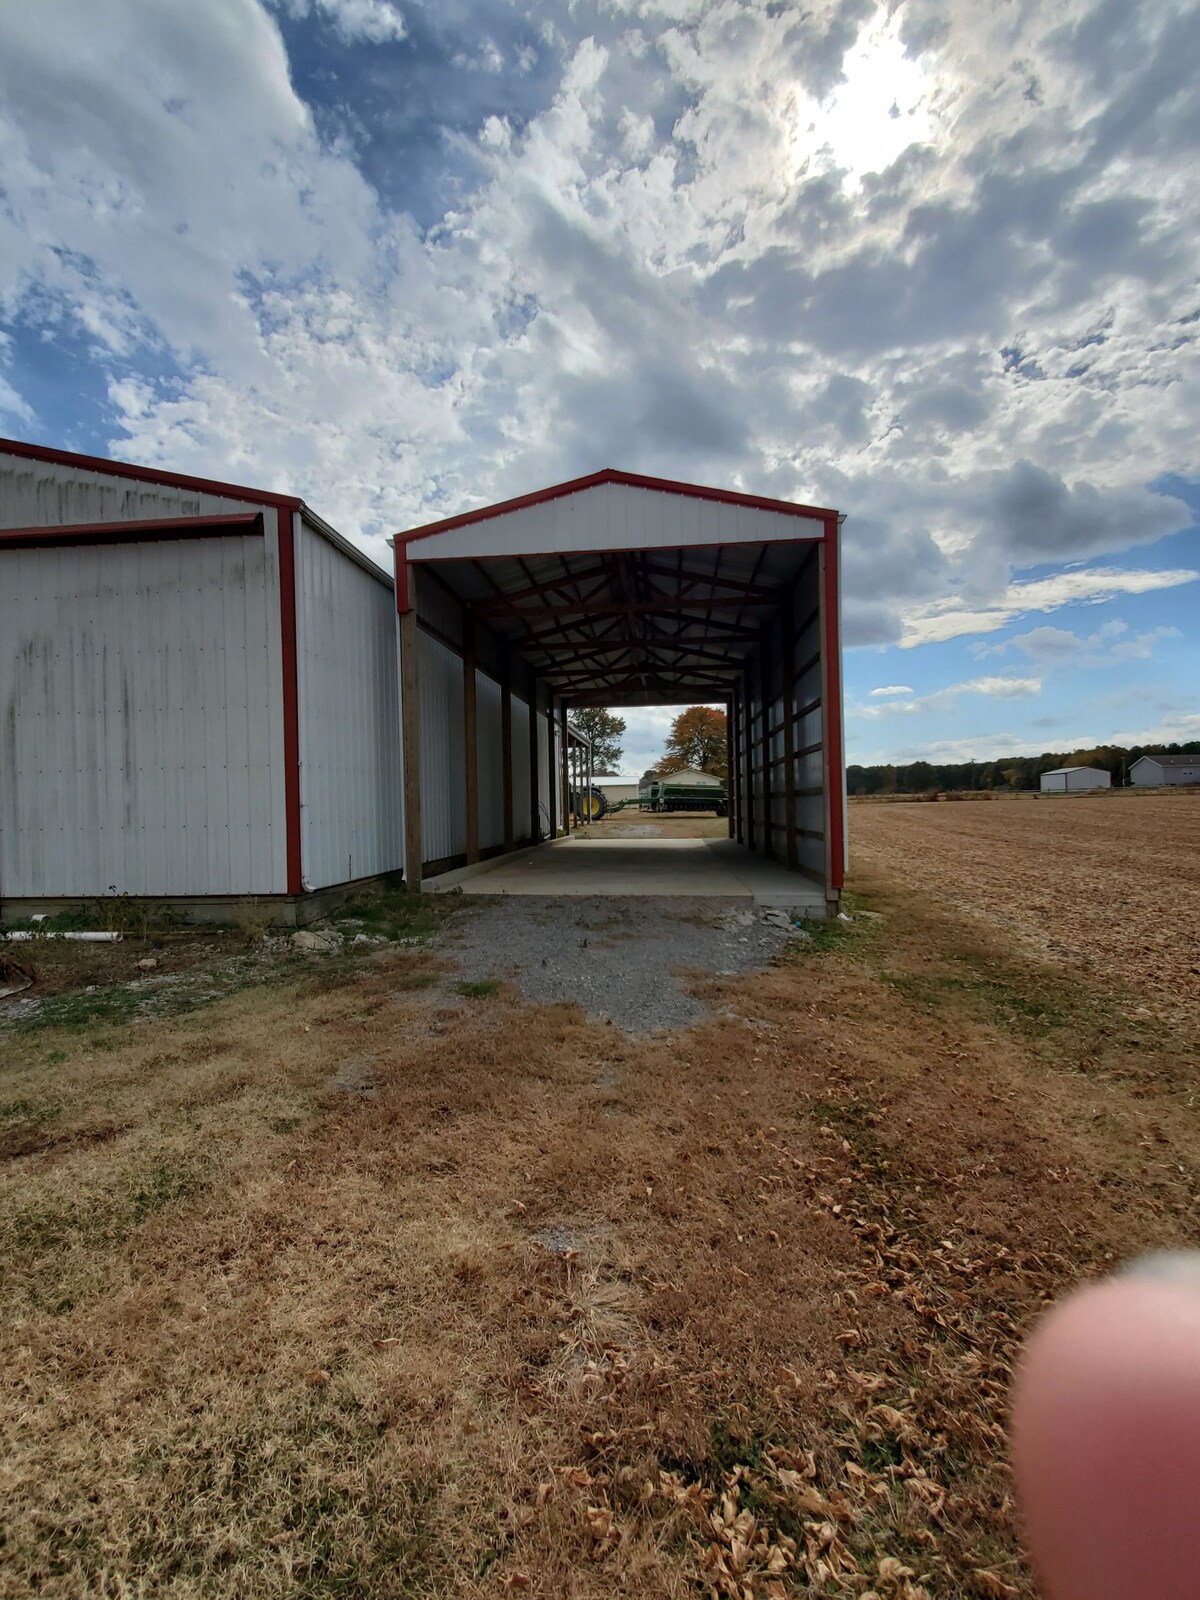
565, 581
667, 606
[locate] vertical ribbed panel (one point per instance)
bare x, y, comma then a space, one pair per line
141, 716
489, 744
443, 754
520, 768
350, 795
50, 494
543, 738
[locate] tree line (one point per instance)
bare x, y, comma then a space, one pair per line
1005, 772
697, 739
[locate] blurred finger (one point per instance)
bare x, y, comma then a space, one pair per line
1106, 1437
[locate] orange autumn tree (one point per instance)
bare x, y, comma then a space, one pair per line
697, 739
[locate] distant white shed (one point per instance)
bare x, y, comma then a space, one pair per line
1073, 780
694, 776
1156, 772
615, 787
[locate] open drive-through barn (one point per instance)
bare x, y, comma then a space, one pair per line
207, 694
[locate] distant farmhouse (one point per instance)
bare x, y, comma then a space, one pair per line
1072, 780
1154, 772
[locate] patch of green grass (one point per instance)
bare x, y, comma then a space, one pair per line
161, 1185
33, 1113
390, 914
1001, 1000
478, 989
113, 1003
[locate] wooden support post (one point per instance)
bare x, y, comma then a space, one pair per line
764, 678
735, 826
506, 758
787, 674
410, 721
553, 780
565, 774
591, 773
535, 803
748, 740
471, 741
730, 770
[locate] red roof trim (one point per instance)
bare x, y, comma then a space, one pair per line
634, 480
121, 469
133, 531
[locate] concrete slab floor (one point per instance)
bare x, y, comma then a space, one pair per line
583, 865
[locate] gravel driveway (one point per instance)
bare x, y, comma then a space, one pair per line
625, 959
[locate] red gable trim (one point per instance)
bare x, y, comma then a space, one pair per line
132, 531
633, 480
120, 469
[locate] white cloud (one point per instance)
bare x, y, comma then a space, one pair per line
1111, 643
373, 21
983, 353
996, 687
891, 688
949, 618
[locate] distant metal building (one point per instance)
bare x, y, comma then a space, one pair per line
198, 695
1156, 772
616, 789
1073, 780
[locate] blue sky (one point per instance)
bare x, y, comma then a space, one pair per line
932, 263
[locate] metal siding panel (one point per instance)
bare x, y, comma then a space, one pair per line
443, 756
111, 711
520, 767
543, 739
488, 742
350, 780
48, 494
615, 517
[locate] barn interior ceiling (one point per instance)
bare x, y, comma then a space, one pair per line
636, 627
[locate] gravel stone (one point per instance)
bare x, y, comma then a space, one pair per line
622, 959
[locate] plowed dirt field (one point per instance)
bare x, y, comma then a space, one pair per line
1111, 884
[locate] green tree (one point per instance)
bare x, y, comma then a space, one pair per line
697, 739
604, 730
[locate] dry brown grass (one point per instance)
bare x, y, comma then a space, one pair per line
1109, 883
558, 1312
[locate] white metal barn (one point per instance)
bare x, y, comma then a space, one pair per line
617, 589
1073, 780
1156, 772
694, 777
207, 694
198, 696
